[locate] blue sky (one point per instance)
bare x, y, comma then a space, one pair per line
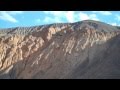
10, 19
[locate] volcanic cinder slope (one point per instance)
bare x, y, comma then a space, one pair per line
82, 50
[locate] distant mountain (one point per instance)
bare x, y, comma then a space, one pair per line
81, 50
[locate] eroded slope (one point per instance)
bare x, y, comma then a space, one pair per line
87, 49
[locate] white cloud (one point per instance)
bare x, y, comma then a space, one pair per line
48, 19
94, 17
52, 20
114, 24
70, 16
117, 17
56, 16
14, 12
103, 12
55, 13
7, 15
84, 16
59, 15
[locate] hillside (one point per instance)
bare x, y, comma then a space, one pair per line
81, 50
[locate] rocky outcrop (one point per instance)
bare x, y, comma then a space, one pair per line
87, 49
